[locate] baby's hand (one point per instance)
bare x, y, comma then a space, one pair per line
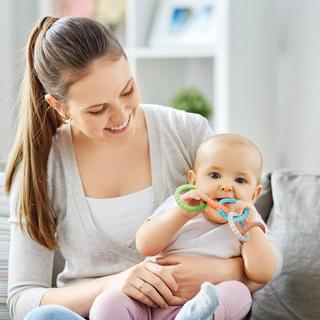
194, 197
241, 205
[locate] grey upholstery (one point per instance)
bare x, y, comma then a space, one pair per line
295, 222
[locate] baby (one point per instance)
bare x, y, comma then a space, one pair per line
226, 166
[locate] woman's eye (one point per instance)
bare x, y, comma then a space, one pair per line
102, 109
215, 175
240, 180
125, 94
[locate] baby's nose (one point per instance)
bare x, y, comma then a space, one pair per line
226, 187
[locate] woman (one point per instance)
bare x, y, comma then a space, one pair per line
88, 165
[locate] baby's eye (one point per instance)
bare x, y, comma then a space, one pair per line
241, 180
215, 175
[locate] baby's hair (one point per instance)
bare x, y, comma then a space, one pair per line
232, 139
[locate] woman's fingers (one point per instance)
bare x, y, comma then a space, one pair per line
164, 283
164, 274
147, 283
135, 293
149, 289
137, 287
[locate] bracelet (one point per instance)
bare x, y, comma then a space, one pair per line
241, 237
254, 224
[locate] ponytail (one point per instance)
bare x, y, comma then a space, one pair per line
36, 126
59, 52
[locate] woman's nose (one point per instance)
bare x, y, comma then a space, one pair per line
118, 113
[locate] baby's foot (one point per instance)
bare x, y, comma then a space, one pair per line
202, 306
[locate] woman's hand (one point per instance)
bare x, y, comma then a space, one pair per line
150, 284
190, 272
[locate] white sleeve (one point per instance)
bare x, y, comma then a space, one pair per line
30, 265
164, 207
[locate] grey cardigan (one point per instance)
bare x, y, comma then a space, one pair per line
174, 137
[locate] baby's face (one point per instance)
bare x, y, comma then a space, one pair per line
228, 171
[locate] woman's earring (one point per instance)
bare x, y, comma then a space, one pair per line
67, 118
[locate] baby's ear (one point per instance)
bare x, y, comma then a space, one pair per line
257, 192
191, 177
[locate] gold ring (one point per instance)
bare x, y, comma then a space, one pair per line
140, 287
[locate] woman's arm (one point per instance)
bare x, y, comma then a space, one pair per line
158, 285
30, 272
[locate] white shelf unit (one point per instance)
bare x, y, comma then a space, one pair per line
162, 72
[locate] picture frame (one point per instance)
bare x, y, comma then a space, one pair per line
184, 22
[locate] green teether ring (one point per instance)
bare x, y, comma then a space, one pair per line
184, 206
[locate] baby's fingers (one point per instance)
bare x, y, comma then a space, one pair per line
191, 195
201, 195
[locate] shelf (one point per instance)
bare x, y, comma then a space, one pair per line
171, 52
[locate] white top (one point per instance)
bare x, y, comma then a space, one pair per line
202, 237
120, 217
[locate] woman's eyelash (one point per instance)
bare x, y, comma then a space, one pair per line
128, 93
104, 107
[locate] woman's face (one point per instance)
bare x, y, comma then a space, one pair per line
103, 104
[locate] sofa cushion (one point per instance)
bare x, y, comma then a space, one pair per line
4, 249
264, 203
295, 223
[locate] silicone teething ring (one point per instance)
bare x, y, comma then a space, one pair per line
184, 206
241, 218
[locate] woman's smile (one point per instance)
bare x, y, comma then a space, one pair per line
120, 129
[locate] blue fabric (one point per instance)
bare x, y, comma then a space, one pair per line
52, 312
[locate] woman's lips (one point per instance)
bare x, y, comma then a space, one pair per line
119, 131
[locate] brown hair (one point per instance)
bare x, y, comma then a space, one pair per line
59, 51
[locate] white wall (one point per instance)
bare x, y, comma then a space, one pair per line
16, 25
299, 85
270, 78
252, 74
6, 76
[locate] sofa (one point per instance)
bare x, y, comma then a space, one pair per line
290, 205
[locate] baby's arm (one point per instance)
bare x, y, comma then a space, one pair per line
155, 234
259, 255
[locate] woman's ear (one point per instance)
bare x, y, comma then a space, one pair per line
191, 177
257, 192
57, 105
